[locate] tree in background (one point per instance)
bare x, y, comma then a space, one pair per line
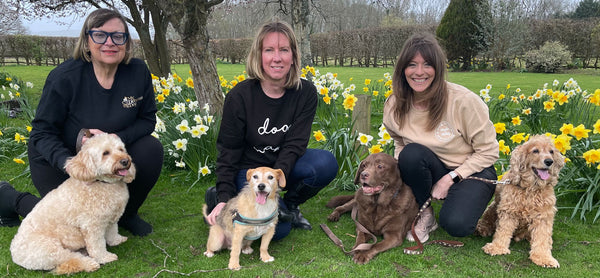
461, 32
586, 9
10, 23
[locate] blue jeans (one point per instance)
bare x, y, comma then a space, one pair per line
311, 173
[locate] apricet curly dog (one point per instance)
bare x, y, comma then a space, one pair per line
526, 205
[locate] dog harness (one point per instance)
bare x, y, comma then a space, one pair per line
242, 220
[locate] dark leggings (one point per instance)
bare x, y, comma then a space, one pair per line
466, 201
147, 154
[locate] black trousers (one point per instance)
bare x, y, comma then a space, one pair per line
420, 169
147, 154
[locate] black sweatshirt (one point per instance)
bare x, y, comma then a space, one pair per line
73, 99
257, 130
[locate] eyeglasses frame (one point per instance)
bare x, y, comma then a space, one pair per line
108, 34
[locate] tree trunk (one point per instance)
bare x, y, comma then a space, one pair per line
189, 18
300, 16
204, 73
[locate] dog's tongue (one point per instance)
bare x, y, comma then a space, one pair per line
122, 172
261, 198
371, 190
543, 174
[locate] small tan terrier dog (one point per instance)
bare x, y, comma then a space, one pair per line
252, 214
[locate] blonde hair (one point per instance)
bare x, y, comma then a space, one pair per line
94, 20
254, 61
436, 96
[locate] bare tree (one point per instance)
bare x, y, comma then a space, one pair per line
10, 23
189, 18
143, 15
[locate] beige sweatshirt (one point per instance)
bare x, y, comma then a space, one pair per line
465, 139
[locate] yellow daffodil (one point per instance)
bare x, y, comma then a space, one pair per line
375, 149
563, 143
319, 136
364, 139
327, 99
350, 102
500, 127
367, 81
518, 138
204, 171
503, 148
580, 132
189, 82
180, 144
19, 161
567, 129
548, 105
592, 156
516, 120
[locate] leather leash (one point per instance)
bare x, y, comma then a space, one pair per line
416, 250
360, 227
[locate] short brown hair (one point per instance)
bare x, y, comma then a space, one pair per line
94, 20
254, 61
436, 95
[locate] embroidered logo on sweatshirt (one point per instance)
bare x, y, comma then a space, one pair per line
129, 102
444, 132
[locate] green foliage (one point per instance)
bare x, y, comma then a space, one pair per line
549, 58
461, 32
586, 9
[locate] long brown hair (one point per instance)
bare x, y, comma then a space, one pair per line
436, 96
254, 61
94, 20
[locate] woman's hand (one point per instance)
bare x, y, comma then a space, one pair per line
212, 217
441, 187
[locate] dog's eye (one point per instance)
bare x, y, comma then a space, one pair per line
379, 166
536, 151
270, 177
551, 151
106, 153
255, 177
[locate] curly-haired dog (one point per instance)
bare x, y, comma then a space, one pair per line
82, 213
525, 206
385, 206
250, 215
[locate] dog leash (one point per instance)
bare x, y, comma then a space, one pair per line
360, 227
418, 249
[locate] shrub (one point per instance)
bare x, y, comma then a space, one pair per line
548, 58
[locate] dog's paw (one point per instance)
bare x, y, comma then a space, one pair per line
247, 250
266, 258
105, 258
209, 254
545, 261
116, 240
333, 217
493, 249
234, 266
362, 257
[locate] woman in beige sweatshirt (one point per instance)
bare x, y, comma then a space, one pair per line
442, 134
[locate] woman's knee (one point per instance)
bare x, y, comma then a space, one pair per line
322, 165
456, 225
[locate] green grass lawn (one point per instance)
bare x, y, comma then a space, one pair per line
179, 239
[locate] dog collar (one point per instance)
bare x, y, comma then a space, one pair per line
240, 219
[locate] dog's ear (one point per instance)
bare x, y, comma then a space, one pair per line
280, 178
249, 174
517, 159
130, 174
559, 160
358, 171
80, 167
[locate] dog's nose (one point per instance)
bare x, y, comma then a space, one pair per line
548, 161
261, 186
124, 161
364, 175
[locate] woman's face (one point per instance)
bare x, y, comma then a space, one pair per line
108, 53
419, 74
277, 57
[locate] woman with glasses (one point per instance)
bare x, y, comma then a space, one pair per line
103, 89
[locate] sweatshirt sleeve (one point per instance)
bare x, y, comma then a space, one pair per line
478, 130
51, 113
230, 145
296, 140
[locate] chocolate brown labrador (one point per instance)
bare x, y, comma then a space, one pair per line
385, 205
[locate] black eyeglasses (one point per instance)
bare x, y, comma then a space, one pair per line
100, 37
